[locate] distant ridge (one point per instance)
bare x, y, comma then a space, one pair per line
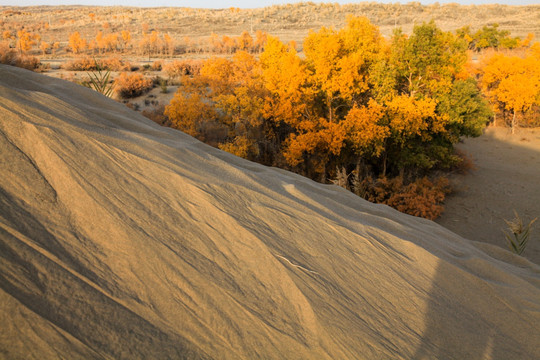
287, 21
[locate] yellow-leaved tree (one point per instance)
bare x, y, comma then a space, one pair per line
513, 82
77, 43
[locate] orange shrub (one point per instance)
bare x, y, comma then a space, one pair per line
83, 63
422, 198
114, 64
157, 65
86, 63
132, 85
177, 68
11, 57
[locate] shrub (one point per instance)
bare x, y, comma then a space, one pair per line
156, 114
157, 65
519, 234
27, 62
422, 197
162, 83
86, 63
177, 68
115, 64
466, 163
83, 63
133, 106
11, 57
100, 81
132, 85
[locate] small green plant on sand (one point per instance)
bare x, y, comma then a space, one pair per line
99, 80
518, 236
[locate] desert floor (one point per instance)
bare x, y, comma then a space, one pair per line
506, 178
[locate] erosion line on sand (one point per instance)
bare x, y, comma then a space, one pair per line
298, 266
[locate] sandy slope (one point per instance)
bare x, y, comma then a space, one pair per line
124, 240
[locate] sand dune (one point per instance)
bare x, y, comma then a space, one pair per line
124, 240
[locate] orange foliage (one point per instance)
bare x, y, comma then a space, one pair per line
513, 82
423, 197
44, 47
76, 42
241, 146
132, 85
289, 98
25, 40
188, 112
178, 68
408, 115
86, 63
365, 130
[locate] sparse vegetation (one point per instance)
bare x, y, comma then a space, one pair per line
100, 80
11, 57
518, 234
87, 63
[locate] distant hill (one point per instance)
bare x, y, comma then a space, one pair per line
289, 22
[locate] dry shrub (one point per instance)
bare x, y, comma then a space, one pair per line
132, 85
27, 62
156, 114
531, 118
179, 68
132, 106
422, 197
466, 165
86, 63
157, 65
114, 64
11, 57
83, 63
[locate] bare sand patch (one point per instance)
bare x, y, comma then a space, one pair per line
506, 178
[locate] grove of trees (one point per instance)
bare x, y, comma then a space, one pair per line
355, 108
512, 83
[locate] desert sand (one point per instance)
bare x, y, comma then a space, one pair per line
505, 178
121, 239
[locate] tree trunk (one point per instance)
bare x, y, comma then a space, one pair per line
385, 157
514, 122
330, 110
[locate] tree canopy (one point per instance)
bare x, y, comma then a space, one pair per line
354, 100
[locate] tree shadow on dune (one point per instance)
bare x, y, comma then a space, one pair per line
467, 318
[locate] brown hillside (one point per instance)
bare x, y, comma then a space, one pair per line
289, 22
